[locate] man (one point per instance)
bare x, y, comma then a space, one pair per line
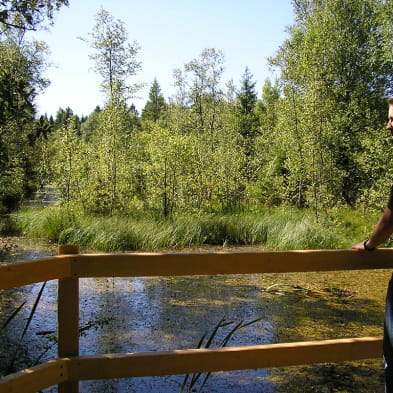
380, 234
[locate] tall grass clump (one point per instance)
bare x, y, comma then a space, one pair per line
8, 226
47, 223
298, 230
276, 229
228, 229
119, 234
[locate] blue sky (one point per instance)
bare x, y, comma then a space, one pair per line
171, 33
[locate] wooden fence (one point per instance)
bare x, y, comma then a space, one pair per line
70, 368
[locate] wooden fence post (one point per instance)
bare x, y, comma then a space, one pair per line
68, 319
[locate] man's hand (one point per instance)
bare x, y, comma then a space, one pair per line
363, 246
359, 246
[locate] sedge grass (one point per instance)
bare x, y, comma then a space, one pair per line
275, 229
206, 341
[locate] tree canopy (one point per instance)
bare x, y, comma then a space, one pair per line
311, 138
27, 14
115, 59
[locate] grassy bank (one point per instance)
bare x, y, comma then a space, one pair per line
279, 229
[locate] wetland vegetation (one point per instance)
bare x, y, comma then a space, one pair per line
274, 229
311, 139
302, 164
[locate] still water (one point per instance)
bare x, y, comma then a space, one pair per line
152, 314
142, 314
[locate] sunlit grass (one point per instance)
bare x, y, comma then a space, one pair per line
276, 229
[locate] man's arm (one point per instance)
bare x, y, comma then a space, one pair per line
381, 232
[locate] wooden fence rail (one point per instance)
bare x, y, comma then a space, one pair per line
70, 368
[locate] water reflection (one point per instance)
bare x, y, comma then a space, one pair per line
151, 314
144, 314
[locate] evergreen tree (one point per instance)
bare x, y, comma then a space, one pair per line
247, 98
43, 126
63, 116
248, 124
247, 121
156, 105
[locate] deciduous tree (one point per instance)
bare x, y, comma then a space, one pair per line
334, 74
21, 67
115, 59
199, 89
27, 14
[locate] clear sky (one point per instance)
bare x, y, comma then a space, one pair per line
171, 33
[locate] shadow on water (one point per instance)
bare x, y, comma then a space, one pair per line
152, 314
323, 313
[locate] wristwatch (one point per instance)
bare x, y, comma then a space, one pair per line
366, 247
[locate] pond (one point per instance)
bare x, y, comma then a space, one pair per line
152, 314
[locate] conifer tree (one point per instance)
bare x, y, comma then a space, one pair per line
248, 124
247, 121
156, 104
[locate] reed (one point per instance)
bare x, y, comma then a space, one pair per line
276, 229
190, 381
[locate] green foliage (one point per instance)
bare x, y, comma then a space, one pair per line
247, 99
46, 224
310, 141
89, 126
64, 116
247, 124
199, 94
168, 154
21, 67
334, 74
27, 15
115, 59
11, 186
155, 107
68, 161
277, 229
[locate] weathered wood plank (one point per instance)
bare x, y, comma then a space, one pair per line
45, 269
223, 359
69, 268
68, 317
68, 249
68, 320
36, 378
178, 264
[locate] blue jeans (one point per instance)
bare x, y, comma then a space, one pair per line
388, 339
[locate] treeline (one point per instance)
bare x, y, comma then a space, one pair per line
22, 63
313, 138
